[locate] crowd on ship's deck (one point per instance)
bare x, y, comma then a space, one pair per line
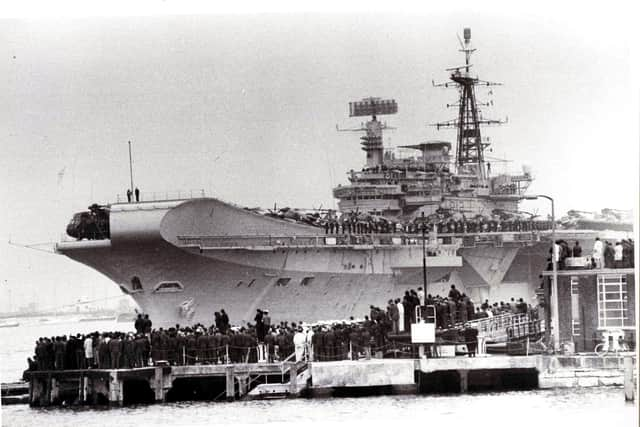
366, 224
220, 342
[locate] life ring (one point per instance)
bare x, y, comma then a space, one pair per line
386, 175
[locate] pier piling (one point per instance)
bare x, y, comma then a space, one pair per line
464, 380
230, 385
293, 379
629, 387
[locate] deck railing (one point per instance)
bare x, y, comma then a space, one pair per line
329, 240
444, 244
156, 196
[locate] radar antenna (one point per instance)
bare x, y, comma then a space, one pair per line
372, 139
470, 148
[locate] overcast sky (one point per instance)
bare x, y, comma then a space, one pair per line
245, 106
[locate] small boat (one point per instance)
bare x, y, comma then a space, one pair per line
127, 317
11, 324
97, 319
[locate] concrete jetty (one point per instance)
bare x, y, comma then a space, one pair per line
118, 387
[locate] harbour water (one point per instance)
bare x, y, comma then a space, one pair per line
580, 407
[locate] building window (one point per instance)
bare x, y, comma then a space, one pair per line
166, 287
283, 281
612, 301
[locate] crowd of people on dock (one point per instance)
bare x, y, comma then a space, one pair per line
380, 331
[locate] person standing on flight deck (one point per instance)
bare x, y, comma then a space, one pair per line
137, 192
129, 194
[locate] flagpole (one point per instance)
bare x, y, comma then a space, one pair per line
130, 167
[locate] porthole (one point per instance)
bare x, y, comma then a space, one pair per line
168, 287
283, 281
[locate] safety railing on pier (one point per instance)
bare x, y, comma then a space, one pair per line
496, 328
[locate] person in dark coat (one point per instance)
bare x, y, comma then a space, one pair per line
128, 352
138, 350
115, 349
394, 315
270, 343
191, 349
260, 332
201, 344
225, 321
137, 193
577, 250
59, 349
139, 324
471, 339
224, 344
147, 324
129, 194
454, 294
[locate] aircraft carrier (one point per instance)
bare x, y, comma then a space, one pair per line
182, 259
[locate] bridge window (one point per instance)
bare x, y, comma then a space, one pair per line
283, 281
136, 284
306, 281
167, 287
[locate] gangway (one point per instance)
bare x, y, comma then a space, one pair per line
505, 327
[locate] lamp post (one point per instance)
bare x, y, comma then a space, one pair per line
424, 257
555, 324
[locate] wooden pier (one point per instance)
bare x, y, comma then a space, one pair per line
117, 387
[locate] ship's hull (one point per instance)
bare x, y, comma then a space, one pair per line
175, 282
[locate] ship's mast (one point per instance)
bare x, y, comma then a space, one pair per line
372, 139
470, 148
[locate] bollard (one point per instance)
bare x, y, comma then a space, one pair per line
629, 388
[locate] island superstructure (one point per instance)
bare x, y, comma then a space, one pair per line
182, 259
426, 181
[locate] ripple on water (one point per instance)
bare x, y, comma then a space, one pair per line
579, 407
